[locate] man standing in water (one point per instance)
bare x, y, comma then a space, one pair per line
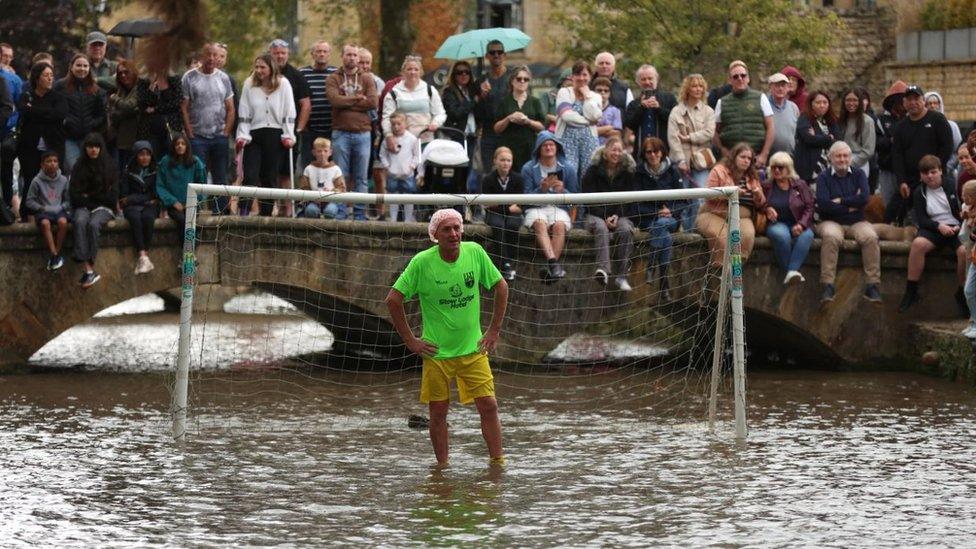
446, 277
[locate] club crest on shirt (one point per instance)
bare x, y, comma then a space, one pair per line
469, 279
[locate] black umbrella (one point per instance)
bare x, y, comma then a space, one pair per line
137, 28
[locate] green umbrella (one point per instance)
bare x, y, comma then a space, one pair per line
472, 44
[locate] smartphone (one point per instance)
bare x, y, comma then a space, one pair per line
647, 94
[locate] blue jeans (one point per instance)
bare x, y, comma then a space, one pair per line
315, 210
351, 152
790, 252
215, 155
699, 180
72, 152
397, 185
660, 231
970, 290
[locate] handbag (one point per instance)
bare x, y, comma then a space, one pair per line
759, 220
702, 159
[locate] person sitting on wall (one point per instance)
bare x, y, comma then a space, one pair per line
842, 194
936, 208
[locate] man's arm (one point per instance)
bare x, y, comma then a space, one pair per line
229, 116
768, 143
185, 109
488, 341
394, 302
304, 112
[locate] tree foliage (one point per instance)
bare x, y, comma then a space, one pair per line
248, 26
685, 36
55, 26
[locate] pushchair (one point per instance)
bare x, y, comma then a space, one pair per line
444, 165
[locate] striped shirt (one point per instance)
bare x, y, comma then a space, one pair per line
320, 120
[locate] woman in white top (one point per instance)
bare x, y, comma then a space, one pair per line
578, 113
266, 123
691, 126
416, 99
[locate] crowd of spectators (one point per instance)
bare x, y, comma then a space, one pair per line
95, 139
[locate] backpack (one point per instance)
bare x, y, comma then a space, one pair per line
391, 83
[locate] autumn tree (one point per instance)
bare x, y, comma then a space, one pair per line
684, 36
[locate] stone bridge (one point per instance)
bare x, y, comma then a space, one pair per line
339, 273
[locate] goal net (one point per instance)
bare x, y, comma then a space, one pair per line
284, 320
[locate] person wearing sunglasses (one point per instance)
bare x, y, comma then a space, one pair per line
789, 209
656, 172
520, 118
744, 115
611, 123
492, 88
737, 168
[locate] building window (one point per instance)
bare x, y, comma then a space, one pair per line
500, 13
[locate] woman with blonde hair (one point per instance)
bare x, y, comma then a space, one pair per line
789, 210
737, 168
265, 125
691, 126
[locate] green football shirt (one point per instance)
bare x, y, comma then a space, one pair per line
450, 299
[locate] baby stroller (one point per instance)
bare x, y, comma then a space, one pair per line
444, 166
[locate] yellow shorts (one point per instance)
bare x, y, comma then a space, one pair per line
474, 379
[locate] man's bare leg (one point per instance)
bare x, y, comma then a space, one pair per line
558, 239
491, 425
542, 238
438, 430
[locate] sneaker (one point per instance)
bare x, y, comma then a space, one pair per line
907, 300
83, 279
970, 331
601, 277
872, 293
508, 272
89, 279
622, 284
793, 277
149, 265
828, 293
558, 271
546, 274
50, 263
664, 297
56, 263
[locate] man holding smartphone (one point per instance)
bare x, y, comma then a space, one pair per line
647, 115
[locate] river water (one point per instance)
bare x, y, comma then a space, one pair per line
315, 458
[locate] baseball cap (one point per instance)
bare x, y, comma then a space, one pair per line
96, 36
914, 90
777, 78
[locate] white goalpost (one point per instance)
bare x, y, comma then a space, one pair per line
572, 342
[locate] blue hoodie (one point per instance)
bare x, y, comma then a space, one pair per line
532, 173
